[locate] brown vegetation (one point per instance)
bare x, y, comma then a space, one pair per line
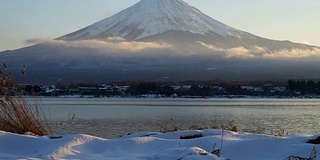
313, 156
17, 115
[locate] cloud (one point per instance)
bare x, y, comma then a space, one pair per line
39, 40
109, 44
260, 52
239, 52
115, 39
294, 53
118, 44
305, 42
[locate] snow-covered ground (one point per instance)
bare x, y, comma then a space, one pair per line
155, 146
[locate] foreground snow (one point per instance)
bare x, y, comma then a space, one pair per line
159, 146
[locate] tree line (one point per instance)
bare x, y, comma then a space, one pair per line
304, 87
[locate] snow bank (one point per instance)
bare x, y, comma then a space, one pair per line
154, 145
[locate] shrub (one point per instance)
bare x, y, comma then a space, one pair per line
17, 115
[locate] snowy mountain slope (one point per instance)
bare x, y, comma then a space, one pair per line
177, 23
153, 17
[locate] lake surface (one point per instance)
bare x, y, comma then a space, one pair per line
113, 117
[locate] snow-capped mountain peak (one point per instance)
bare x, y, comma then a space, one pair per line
152, 17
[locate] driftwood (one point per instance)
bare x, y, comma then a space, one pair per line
313, 156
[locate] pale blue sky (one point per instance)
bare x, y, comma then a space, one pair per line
294, 20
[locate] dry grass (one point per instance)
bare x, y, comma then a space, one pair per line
313, 156
225, 126
16, 114
171, 128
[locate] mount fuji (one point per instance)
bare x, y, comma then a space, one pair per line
153, 17
162, 40
174, 22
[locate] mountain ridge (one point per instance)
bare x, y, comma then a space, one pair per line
170, 47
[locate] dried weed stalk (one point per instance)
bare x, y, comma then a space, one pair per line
17, 115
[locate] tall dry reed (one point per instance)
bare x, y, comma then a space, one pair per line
17, 115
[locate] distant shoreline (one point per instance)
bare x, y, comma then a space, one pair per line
184, 97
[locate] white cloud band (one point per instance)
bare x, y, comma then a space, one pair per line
109, 44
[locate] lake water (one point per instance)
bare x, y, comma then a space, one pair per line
113, 117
